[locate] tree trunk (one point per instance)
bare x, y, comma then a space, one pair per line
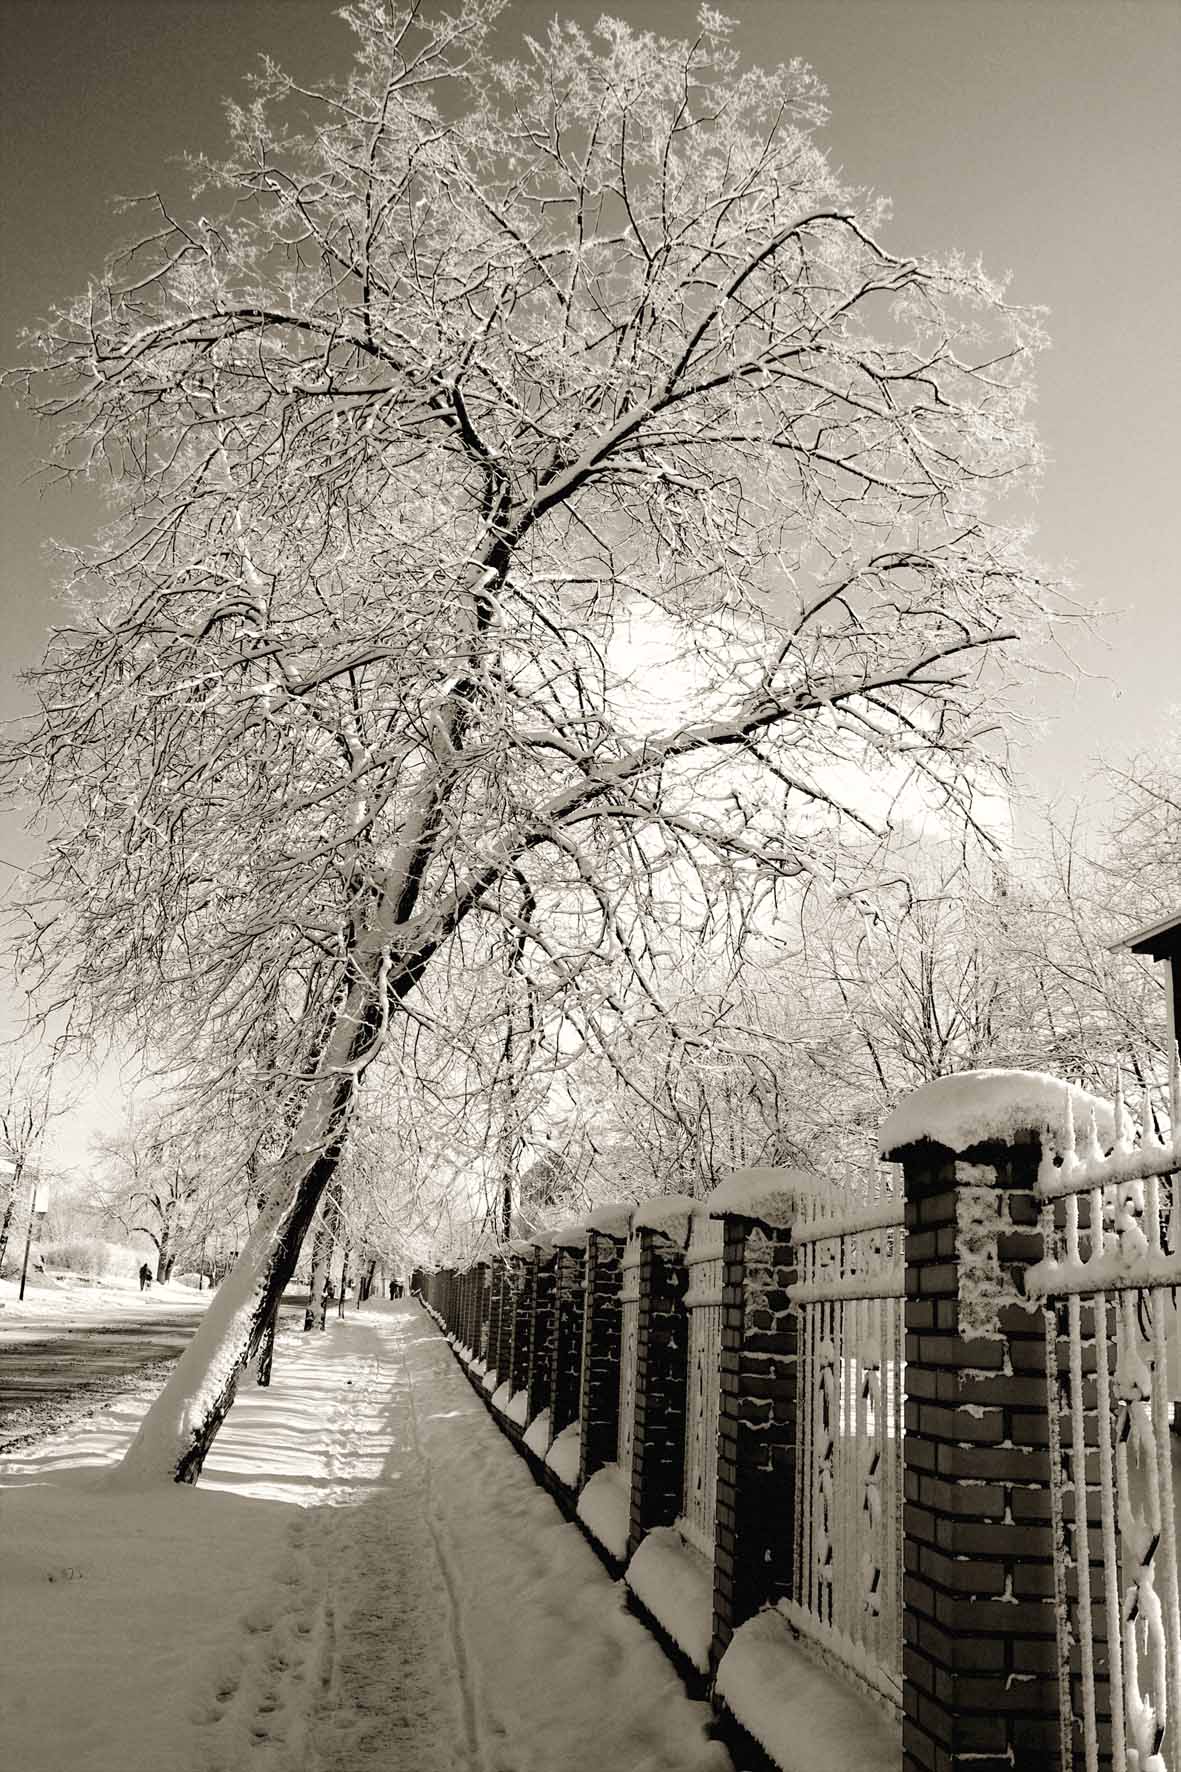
163, 1258
344, 1280
325, 1239
6, 1224
14, 1183
266, 1352
175, 1435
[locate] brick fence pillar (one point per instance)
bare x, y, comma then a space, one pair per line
662, 1371
480, 1311
565, 1339
979, 1611
505, 1327
754, 1540
523, 1269
539, 1332
471, 1320
599, 1381
495, 1312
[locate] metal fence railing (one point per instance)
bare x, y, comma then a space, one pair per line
849, 1293
1111, 1226
629, 1327
703, 1302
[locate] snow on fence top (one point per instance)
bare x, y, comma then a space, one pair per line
773, 1196
540, 1242
978, 1106
670, 1214
612, 1221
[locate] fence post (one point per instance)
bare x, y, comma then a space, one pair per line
658, 1446
981, 1688
495, 1316
480, 1312
470, 1308
540, 1340
753, 1534
468, 1337
523, 1270
565, 1339
599, 1379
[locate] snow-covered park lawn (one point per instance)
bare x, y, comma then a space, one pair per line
365, 1577
55, 1302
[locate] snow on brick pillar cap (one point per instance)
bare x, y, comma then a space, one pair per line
670, 1215
770, 1197
992, 1107
609, 1221
540, 1244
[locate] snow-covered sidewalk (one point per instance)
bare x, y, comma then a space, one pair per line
366, 1576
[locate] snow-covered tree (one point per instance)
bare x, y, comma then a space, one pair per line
542, 498
151, 1183
26, 1095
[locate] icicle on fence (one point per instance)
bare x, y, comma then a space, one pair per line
848, 1544
1111, 1224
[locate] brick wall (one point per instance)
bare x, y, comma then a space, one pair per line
757, 1427
599, 1388
523, 1271
540, 1339
658, 1450
566, 1339
979, 1606
496, 1314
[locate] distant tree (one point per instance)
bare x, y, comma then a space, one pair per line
150, 1184
26, 1095
542, 496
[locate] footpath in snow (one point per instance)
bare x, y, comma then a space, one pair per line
366, 1576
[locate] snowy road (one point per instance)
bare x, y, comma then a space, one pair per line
366, 1577
58, 1365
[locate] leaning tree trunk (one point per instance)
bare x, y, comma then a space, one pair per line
266, 1352
321, 1253
176, 1433
327, 1232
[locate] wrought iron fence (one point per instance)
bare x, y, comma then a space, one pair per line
1111, 1225
847, 1595
629, 1327
703, 1302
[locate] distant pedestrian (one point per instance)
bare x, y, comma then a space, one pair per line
145, 1276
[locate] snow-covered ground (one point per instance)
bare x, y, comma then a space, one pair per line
51, 1303
365, 1576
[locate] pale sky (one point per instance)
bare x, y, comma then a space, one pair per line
1042, 135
